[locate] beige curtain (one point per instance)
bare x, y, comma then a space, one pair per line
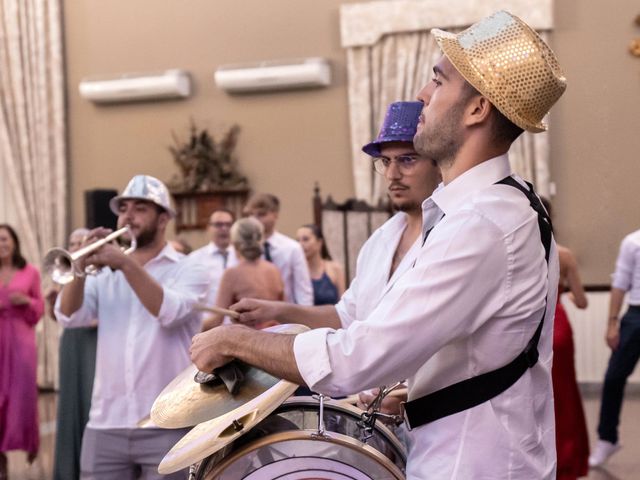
393, 69
33, 139
387, 63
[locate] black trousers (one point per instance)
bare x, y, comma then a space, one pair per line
621, 364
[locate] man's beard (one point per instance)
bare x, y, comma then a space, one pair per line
442, 142
406, 206
147, 236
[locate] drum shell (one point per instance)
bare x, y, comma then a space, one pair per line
288, 441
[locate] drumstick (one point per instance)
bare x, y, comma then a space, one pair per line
221, 311
353, 399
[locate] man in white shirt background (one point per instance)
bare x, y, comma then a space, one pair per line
218, 254
483, 288
623, 338
283, 251
144, 302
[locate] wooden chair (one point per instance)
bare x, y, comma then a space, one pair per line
346, 226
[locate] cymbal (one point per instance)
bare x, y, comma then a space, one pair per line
183, 402
209, 437
146, 422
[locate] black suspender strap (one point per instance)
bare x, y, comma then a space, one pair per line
476, 390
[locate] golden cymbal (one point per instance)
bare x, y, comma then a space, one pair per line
146, 422
184, 402
209, 437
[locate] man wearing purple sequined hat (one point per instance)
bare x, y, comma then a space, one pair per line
470, 324
392, 248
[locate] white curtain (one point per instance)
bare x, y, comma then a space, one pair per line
390, 56
33, 139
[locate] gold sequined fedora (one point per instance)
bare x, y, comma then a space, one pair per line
507, 62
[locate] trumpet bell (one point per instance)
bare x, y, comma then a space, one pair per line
58, 264
61, 265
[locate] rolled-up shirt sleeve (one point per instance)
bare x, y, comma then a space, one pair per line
455, 286
622, 278
85, 316
187, 288
307, 344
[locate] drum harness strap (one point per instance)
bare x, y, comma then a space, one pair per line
476, 390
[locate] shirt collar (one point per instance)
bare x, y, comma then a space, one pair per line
397, 222
168, 252
212, 248
450, 197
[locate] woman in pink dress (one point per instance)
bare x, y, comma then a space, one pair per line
21, 307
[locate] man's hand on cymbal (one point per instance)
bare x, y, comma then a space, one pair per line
207, 347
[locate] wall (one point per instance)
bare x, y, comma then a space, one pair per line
595, 131
288, 141
292, 139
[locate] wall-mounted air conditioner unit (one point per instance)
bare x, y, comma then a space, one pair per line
137, 87
274, 75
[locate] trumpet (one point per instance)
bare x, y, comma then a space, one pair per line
62, 265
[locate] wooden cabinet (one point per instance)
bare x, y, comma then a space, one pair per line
194, 208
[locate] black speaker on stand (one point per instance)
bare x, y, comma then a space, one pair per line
97, 211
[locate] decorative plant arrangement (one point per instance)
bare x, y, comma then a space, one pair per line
206, 165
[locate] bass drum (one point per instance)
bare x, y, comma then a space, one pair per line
287, 446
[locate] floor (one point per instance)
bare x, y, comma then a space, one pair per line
625, 465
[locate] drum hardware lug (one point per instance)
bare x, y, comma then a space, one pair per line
321, 427
368, 419
394, 419
237, 425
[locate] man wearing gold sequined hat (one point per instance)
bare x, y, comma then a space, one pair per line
470, 325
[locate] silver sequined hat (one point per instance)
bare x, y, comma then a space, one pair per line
144, 187
507, 62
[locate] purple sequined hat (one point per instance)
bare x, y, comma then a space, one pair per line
399, 125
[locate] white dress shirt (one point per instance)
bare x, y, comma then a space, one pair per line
288, 256
372, 270
627, 274
138, 354
212, 258
469, 305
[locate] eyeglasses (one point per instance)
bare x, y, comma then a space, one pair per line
220, 224
404, 163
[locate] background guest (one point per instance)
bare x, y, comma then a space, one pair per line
253, 277
623, 338
572, 439
218, 254
21, 306
145, 303
77, 364
327, 276
284, 252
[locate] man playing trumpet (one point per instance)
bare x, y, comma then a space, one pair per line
144, 302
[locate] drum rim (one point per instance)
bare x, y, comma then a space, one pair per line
309, 435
